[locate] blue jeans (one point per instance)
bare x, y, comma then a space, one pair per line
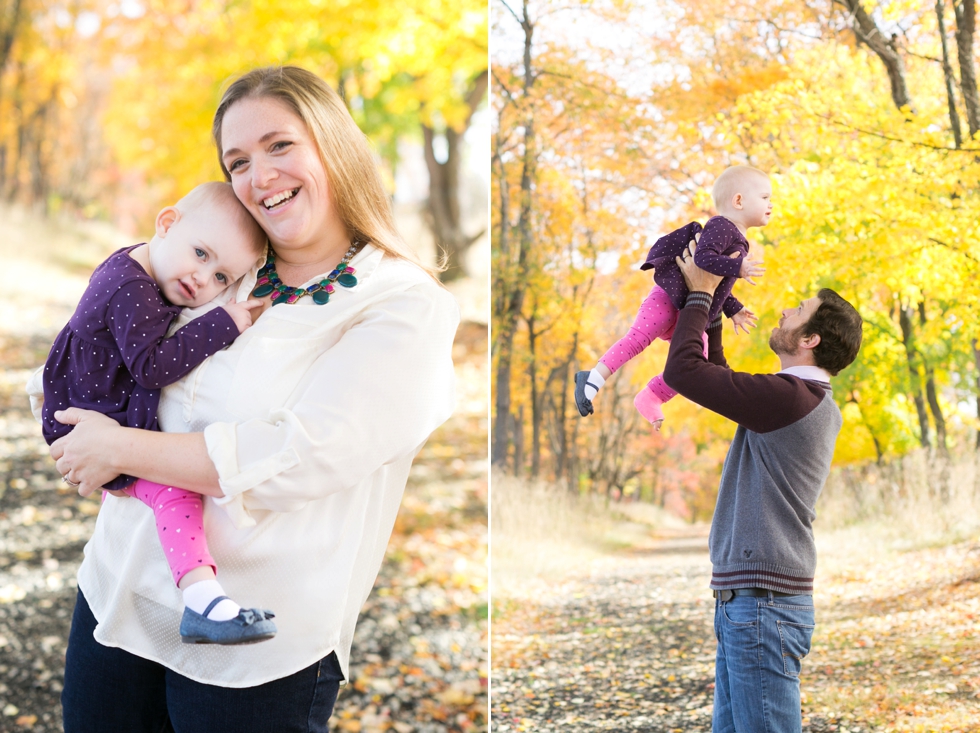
146, 697
761, 645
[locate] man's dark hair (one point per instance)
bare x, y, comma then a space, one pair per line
839, 326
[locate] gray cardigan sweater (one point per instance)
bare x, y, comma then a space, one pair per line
761, 534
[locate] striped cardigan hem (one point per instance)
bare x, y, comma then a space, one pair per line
769, 577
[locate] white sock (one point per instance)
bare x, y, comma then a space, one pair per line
596, 379
198, 595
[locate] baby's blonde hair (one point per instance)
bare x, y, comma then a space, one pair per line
732, 181
220, 194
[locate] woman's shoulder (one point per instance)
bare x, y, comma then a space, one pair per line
404, 287
397, 274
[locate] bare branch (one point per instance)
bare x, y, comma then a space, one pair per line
973, 258
503, 86
772, 23
510, 10
883, 136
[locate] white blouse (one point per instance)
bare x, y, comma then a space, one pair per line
312, 418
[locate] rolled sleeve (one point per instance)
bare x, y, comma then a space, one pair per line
371, 398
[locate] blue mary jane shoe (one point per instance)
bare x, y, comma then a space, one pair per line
583, 403
248, 627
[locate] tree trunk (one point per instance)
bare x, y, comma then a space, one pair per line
976, 360
976, 455
40, 182
915, 379
11, 188
571, 455
566, 386
9, 27
966, 12
886, 49
443, 206
879, 454
954, 116
557, 388
501, 426
511, 271
937, 413
518, 433
502, 335
532, 375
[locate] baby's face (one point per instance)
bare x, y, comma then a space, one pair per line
200, 255
757, 202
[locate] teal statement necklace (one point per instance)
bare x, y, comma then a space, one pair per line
269, 281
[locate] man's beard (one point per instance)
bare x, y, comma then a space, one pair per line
785, 342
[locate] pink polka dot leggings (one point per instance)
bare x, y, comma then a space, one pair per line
180, 525
655, 319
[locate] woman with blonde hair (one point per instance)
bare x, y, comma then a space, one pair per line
300, 435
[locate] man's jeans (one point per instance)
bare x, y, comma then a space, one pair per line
761, 645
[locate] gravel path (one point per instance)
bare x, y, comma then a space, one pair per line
628, 647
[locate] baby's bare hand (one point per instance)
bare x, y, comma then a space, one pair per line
751, 266
241, 313
744, 319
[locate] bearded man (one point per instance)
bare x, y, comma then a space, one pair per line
763, 554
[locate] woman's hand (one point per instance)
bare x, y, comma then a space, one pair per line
83, 456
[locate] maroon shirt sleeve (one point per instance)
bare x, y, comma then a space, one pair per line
716, 351
759, 402
138, 319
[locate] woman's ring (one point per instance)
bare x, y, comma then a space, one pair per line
69, 481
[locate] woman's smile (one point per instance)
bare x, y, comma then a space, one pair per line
280, 200
276, 170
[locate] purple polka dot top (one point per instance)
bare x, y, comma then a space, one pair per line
719, 239
114, 355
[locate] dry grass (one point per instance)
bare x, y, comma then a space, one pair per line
70, 244
901, 504
541, 533
47, 266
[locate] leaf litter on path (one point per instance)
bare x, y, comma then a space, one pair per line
628, 645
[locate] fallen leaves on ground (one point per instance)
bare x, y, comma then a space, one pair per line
628, 645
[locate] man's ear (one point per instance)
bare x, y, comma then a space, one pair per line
166, 219
810, 342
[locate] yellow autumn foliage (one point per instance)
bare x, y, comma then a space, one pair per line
871, 201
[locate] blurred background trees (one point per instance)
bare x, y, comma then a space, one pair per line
610, 122
105, 105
